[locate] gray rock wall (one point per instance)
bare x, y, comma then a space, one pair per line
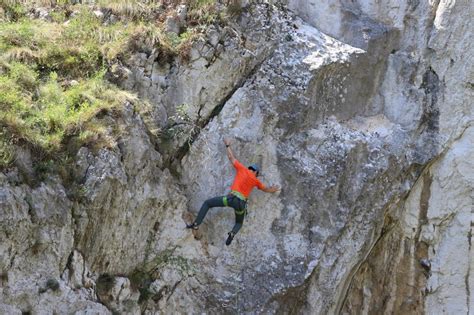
423, 259
368, 132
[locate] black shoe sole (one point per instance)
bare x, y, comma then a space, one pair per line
192, 226
229, 240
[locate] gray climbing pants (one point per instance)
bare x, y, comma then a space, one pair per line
239, 205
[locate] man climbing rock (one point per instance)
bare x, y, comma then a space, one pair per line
245, 180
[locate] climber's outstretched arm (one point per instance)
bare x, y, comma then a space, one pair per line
271, 189
230, 154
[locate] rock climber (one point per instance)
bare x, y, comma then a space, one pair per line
245, 180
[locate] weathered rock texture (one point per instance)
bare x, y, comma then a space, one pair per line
425, 244
361, 111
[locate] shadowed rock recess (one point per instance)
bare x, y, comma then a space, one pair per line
360, 110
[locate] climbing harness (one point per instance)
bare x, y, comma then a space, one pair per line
238, 195
242, 202
243, 210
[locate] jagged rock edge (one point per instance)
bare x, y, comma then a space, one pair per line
184, 149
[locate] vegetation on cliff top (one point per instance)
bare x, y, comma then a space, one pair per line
54, 56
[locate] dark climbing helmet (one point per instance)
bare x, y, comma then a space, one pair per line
255, 168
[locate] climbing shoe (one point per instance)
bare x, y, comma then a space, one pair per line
193, 226
229, 238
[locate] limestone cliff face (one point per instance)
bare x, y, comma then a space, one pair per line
361, 111
423, 259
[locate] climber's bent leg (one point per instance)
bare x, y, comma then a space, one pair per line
239, 221
209, 203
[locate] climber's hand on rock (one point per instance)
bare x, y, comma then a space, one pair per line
275, 188
271, 189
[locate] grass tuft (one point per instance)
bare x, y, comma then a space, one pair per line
56, 112
133, 9
7, 152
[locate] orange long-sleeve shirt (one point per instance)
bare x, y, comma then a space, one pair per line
245, 180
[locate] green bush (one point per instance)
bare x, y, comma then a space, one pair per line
10, 94
72, 50
32, 34
72, 62
25, 77
13, 10
57, 112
